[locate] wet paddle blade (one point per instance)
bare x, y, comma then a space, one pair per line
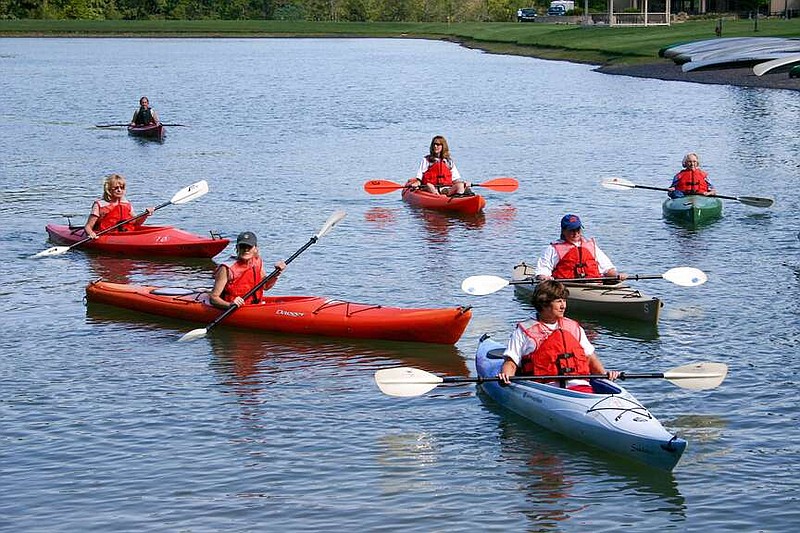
381, 186
192, 192
483, 285
756, 201
503, 184
406, 381
334, 219
55, 250
698, 376
685, 276
618, 184
194, 335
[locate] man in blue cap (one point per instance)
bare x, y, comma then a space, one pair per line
573, 256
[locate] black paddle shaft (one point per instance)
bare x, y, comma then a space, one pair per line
622, 376
118, 224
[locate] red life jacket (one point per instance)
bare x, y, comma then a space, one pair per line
691, 181
557, 353
113, 214
576, 261
242, 277
438, 173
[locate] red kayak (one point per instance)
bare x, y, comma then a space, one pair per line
150, 131
145, 240
305, 315
467, 205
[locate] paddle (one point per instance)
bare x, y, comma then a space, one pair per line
683, 276
619, 184
407, 381
329, 224
502, 184
128, 124
187, 194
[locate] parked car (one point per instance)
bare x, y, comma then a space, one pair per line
526, 14
556, 11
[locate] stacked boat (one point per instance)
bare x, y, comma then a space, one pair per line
765, 54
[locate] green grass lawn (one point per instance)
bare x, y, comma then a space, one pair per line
556, 41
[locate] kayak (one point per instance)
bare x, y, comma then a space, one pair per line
467, 205
599, 300
150, 131
693, 209
145, 240
305, 315
610, 418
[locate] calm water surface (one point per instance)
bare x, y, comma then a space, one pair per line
108, 424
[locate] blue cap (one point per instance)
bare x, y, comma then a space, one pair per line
571, 222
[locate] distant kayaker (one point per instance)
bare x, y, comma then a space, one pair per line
573, 256
235, 278
690, 180
437, 172
145, 114
113, 208
550, 344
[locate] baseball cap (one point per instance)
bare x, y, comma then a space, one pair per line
247, 238
571, 222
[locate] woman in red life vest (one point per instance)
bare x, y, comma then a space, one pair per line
691, 180
236, 277
573, 256
145, 114
437, 172
551, 344
113, 208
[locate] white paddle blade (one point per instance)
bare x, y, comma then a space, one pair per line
192, 192
334, 219
483, 285
698, 376
55, 250
406, 382
618, 184
685, 276
194, 335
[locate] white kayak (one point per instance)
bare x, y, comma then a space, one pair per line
611, 419
617, 300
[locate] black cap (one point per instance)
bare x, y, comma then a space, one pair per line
247, 238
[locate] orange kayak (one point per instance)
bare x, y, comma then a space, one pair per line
468, 205
305, 315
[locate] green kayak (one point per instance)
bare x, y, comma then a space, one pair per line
693, 209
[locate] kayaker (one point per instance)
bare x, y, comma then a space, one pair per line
145, 114
573, 256
235, 278
113, 208
550, 344
690, 180
437, 172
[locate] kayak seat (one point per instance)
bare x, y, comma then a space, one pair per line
497, 353
603, 387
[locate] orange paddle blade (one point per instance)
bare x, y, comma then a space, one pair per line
499, 184
381, 186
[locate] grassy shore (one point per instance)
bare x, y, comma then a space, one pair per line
598, 45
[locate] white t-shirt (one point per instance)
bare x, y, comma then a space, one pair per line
425, 165
549, 259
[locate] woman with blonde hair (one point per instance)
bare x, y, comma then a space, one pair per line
437, 172
113, 208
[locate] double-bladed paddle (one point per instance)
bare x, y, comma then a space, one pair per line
328, 226
502, 184
683, 276
128, 124
620, 184
187, 194
408, 381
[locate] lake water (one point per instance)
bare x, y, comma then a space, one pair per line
107, 423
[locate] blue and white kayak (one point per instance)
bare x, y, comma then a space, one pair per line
610, 419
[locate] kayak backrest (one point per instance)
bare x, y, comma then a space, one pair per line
172, 291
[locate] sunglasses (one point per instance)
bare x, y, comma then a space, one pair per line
122, 187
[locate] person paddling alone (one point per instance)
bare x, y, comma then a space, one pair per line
145, 114
573, 256
235, 278
690, 180
113, 208
437, 172
551, 344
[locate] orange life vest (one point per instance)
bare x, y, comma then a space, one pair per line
112, 214
691, 181
576, 261
242, 277
557, 353
438, 173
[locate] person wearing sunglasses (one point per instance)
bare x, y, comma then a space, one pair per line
437, 172
691, 180
113, 208
145, 114
237, 276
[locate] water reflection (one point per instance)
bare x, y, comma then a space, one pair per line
438, 225
129, 269
381, 217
